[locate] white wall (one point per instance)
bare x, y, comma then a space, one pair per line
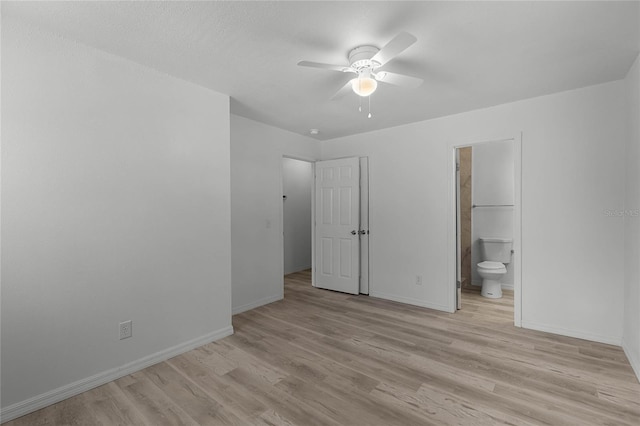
297, 183
115, 206
256, 208
572, 170
631, 336
493, 173
493, 182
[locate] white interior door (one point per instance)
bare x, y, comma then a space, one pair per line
337, 225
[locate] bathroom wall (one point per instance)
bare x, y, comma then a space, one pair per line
492, 183
297, 181
465, 214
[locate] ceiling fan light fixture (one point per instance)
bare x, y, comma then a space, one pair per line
365, 61
364, 86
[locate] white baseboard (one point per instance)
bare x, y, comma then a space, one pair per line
572, 333
56, 395
257, 303
409, 301
633, 357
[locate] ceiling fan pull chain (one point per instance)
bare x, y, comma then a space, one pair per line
360, 106
369, 116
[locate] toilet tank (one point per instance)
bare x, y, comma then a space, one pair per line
496, 249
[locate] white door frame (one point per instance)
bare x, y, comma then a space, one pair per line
458, 234
517, 223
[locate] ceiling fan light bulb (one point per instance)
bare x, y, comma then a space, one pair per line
364, 86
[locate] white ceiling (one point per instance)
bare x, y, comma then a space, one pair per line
470, 54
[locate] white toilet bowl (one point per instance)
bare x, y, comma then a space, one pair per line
491, 274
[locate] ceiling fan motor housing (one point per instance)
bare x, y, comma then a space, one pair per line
360, 58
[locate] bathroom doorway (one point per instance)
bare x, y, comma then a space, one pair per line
487, 226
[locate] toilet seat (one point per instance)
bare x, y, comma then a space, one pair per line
487, 264
491, 274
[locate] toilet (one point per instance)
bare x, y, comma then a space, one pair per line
496, 253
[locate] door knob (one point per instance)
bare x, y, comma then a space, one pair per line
362, 232
353, 232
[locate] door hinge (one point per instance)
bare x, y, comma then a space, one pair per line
457, 167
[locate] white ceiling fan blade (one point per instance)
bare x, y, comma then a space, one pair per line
399, 79
341, 68
397, 45
344, 90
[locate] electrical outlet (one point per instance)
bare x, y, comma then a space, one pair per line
418, 279
126, 330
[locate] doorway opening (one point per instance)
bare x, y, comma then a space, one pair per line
317, 193
487, 226
297, 210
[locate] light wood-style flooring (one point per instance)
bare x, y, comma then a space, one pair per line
325, 358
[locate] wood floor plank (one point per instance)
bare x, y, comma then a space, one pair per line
153, 404
199, 405
271, 418
298, 412
440, 407
324, 358
111, 407
241, 403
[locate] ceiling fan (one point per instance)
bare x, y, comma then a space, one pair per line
365, 62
